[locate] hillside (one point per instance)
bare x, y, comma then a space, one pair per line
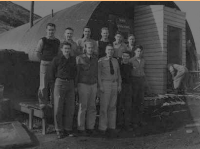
13, 15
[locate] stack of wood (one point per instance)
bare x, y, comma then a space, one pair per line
17, 74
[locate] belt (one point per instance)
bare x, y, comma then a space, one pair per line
110, 80
66, 79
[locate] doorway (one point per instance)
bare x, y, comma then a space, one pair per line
174, 50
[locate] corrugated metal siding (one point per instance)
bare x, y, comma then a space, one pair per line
25, 39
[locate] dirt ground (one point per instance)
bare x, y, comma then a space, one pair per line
167, 133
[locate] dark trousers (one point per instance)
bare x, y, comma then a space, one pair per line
138, 86
124, 105
64, 104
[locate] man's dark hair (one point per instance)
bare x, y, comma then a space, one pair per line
127, 52
138, 47
51, 24
69, 28
118, 32
65, 43
85, 28
109, 45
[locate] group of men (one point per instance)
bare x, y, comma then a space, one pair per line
89, 69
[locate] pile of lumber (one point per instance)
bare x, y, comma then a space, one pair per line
18, 75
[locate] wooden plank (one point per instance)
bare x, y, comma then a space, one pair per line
175, 24
155, 66
148, 15
153, 30
147, 10
148, 21
174, 15
139, 8
141, 24
150, 42
158, 75
151, 34
166, 20
152, 50
155, 83
155, 58
155, 79
175, 11
152, 71
139, 28
30, 122
156, 62
142, 37
154, 54
156, 45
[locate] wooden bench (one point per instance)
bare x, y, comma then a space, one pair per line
33, 109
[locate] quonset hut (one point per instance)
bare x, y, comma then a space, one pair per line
159, 26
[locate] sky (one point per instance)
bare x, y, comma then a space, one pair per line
191, 8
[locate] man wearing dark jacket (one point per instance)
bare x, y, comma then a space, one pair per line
87, 67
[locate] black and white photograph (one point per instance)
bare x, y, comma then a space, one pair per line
99, 75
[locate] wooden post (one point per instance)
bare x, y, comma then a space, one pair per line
31, 14
30, 119
52, 13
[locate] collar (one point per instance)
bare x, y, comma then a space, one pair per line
50, 38
135, 59
107, 58
104, 41
63, 57
70, 41
115, 43
86, 39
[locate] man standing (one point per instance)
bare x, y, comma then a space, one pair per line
69, 38
47, 49
63, 72
103, 42
110, 84
87, 65
124, 107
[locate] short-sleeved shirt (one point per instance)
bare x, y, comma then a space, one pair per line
81, 43
138, 67
119, 49
104, 69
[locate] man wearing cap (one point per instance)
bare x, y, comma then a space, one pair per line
110, 84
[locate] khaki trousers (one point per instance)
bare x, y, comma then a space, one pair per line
87, 107
108, 100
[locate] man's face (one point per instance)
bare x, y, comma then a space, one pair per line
138, 52
86, 32
131, 40
118, 38
125, 57
105, 33
109, 51
68, 34
66, 49
171, 68
89, 48
50, 30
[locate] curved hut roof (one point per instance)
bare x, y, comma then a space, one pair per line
95, 14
